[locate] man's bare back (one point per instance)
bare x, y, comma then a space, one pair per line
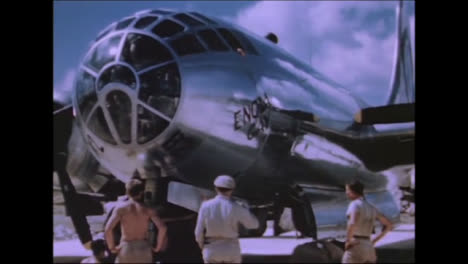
134, 220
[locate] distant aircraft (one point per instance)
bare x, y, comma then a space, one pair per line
179, 98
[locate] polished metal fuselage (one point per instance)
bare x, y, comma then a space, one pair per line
212, 131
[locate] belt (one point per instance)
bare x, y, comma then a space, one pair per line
207, 240
220, 238
362, 237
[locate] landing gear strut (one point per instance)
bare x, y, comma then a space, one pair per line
302, 214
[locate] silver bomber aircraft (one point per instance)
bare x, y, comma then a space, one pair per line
177, 98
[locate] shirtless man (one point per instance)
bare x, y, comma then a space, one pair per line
134, 219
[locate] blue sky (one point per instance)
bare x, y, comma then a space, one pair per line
351, 42
77, 23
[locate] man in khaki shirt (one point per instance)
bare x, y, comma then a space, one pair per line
216, 230
361, 217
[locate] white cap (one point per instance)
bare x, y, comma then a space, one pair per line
225, 181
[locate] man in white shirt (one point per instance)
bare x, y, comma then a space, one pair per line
216, 231
361, 217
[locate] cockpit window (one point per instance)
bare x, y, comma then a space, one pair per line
233, 41
98, 125
149, 125
187, 44
161, 12
105, 31
85, 93
119, 107
212, 40
142, 51
103, 53
160, 89
249, 48
204, 18
117, 73
124, 23
188, 20
167, 28
145, 21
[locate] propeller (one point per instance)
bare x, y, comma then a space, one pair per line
63, 119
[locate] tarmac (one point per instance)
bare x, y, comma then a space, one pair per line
396, 247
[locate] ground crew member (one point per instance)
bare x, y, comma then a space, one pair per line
134, 218
216, 231
361, 217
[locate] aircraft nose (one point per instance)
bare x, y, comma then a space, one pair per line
129, 91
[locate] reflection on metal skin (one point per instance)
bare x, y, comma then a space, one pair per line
197, 110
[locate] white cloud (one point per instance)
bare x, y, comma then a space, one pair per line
380, 27
359, 68
351, 42
63, 89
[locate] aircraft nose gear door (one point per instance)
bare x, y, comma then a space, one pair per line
302, 214
70, 196
63, 120
151, 174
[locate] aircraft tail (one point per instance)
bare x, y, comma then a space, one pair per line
402, 86
400, 100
